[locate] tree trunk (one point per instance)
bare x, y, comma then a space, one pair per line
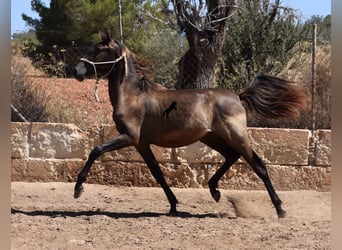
205, 36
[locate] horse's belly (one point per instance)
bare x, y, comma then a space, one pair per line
174, 138
178, 129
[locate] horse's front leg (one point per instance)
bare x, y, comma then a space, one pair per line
146, 153
121, 141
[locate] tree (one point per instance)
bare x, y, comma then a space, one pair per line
204, 25
323, 27
77, 23
262, 37
53, 24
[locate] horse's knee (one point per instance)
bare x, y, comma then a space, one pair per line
98, 150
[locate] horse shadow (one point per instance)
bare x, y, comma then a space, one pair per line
113, 215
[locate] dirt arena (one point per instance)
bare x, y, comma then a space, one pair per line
46, 216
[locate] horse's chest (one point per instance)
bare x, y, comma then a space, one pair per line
127, 123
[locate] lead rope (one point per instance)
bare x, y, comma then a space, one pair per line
97, 81
96, 94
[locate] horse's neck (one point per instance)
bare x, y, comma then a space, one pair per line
123, 82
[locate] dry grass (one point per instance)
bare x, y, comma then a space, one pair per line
299, 69
30, 101
72, 101
43, 99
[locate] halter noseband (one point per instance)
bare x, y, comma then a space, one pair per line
96, 75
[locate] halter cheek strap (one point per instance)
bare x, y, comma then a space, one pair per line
101, 63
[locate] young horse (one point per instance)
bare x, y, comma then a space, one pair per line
146, 113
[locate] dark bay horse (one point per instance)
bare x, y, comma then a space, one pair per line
146, 113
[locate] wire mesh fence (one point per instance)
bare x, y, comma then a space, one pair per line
60, 61
164, 60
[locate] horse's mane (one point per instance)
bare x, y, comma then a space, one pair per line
144, 72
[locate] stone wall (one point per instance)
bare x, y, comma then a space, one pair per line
56, 152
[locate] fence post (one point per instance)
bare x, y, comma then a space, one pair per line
120, 21
312, 141
313, 83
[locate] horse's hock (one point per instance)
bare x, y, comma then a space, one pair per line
57, 152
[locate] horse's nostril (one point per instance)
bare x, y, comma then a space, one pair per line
74, 71
79, 70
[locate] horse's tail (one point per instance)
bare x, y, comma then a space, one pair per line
274, 98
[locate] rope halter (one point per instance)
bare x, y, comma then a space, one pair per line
95, 71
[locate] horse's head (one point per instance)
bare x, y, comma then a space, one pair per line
101, 59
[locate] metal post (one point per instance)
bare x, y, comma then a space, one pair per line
312, 141
313, 90
120, 21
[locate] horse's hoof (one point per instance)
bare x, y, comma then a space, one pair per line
216, 195
281, 213
78, 191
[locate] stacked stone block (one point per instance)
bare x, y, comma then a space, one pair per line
56, 152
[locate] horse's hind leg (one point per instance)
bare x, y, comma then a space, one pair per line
260, 169
146, 153
218, 144
232, 127
238, 142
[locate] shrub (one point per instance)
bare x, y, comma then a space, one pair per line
299, 69
30, 101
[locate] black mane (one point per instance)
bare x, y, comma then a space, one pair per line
145, 74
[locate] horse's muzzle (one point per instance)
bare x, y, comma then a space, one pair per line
79, 72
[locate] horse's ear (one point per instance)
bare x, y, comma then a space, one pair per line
102, 36
106, 37
109, 34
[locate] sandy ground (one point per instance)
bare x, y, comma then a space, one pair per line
46, 216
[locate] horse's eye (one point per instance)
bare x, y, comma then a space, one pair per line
99, 48
90, 50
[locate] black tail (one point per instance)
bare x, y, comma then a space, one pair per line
274, 98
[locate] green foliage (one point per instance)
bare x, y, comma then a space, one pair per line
77, 23
164, 51
261, 37
323, 27
22, 39
52, 63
